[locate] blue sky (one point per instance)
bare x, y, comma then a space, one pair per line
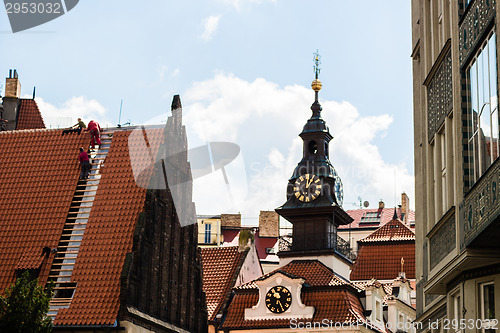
243, 69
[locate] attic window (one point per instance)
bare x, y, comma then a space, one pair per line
370, 217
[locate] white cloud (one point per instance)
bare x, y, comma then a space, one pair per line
210, 25
265, 120
68, 113
162, 71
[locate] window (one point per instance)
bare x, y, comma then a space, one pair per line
456, 308
401, 322
313, 147
487, 304
370, 217
378, 310
208, 233
443, 171
483, 109
270, 250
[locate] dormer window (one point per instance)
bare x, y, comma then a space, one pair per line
370, 217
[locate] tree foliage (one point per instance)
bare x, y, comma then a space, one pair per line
24, 307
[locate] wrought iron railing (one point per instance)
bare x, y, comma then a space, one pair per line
317, 242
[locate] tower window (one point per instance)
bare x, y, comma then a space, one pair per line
313, 147
326, 149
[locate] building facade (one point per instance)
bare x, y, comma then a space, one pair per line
457, 170
227, 230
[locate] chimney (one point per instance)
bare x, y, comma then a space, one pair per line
381, 204
229, 221
177, 110
269, 222
12, 85
405, 206
11, 99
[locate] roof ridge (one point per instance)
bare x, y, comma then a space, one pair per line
378, 235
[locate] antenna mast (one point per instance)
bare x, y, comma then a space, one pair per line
120, 116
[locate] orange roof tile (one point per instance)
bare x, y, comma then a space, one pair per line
221, 266
38, 177
108, 237
28, 115
336, 305
382, 260
314, 272
386, 215
395, 230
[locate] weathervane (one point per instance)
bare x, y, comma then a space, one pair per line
316, 84
317, 62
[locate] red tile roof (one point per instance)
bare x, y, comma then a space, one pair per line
38, 178
380, 253
314, 272
221, 266
386, 215
331, 304
28, 115
108, 237
395, 230
382, 260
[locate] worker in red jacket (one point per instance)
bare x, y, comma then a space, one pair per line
95, 132
83, 157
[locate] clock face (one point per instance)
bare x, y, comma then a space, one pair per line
307, 187
278, 299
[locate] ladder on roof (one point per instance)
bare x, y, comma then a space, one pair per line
64, 261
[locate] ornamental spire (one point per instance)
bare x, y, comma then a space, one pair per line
316, 85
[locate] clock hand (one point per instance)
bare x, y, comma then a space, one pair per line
280, 305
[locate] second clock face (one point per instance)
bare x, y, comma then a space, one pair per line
278, 299
307, 187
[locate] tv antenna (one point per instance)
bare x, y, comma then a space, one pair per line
120, 116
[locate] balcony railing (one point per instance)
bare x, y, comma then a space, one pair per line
317, 242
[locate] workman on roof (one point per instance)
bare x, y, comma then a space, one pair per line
78, 127
95, 132
83, 157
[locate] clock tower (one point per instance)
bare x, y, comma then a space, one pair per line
314, 193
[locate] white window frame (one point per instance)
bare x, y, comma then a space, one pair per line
481, 303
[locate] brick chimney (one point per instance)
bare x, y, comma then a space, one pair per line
11, 99
381, 204
269, 222
230, 220
405, 206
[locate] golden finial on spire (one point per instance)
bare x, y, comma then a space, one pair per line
316, 84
